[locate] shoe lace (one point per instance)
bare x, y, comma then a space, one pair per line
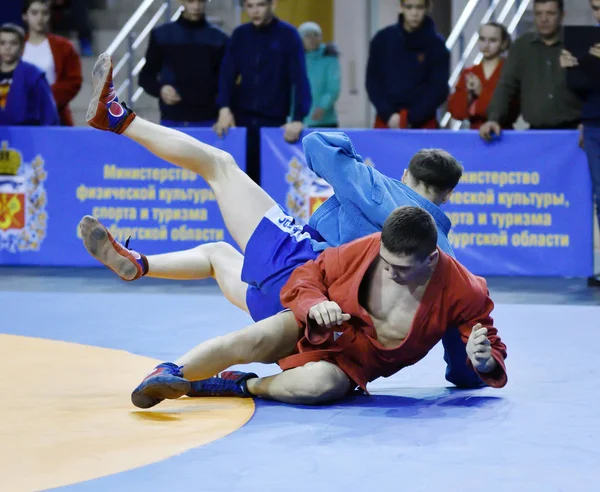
219, 384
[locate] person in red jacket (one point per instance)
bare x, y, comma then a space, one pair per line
476, 84
53, 55
358, 312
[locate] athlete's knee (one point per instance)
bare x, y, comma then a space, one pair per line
319, 382
218, 249
226, 163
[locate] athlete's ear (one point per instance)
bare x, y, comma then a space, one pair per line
433, 256
447, 196
404, 176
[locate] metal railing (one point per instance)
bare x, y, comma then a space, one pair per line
134, 41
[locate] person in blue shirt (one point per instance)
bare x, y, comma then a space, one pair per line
25, 95
263, 76
408, 70
271, 241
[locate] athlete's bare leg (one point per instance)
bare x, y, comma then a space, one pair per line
268, 341
313, 383
242, 202
219, 260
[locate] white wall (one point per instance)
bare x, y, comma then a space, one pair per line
351, 34
578, 12
356, 21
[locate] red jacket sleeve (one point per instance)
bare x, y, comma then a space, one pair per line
476, 308
69, 80
308, 286
458, 102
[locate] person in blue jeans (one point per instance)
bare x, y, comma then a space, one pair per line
271, 241
579, 80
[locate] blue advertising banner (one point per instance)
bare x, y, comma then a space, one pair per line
51, 177
523, 206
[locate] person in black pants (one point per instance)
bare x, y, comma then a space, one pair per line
586, 86
182, 68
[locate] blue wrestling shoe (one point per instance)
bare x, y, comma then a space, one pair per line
228, 383
166, 382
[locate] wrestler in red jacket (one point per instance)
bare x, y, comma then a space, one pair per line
358, 312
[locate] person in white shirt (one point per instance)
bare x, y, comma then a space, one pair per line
53, 55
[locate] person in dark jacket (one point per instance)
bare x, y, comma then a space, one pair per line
579, 80
408, 70
263, 75
182, 67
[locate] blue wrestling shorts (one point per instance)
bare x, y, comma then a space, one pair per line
277, 246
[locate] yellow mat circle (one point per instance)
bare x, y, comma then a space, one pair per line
66, 416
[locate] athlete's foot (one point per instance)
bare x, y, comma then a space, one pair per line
166, 382
126, 263
105, 112
228, 383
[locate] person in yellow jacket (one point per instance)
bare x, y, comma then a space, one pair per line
323, 67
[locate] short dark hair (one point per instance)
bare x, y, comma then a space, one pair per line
436, 168
14, 29
427, 3
410, 231
242, 2
504, 36
28, 4
561, 3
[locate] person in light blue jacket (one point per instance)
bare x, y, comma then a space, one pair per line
273, 244
323, 69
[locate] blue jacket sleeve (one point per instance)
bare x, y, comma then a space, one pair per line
578, 81
331, 156
299, 79
437, 89
45, 102
374, 76
227, 74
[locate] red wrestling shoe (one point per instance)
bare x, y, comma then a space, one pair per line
127, 264
105, 112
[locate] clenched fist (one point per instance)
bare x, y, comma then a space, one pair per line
327, 313
479, 350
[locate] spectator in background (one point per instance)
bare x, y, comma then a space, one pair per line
579, 80
323, 68
182, 67
53, 55
11, 12
476, 84
408, 70
532, 72
262, 76
72, 15
25, 95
